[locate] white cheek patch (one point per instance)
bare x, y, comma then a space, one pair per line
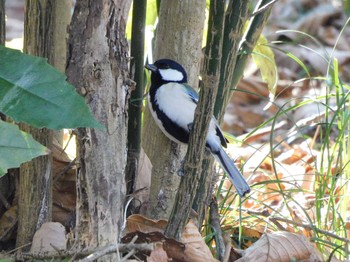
171, 75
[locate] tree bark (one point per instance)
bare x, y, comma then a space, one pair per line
212, 65
35, 192
61, 10
178, 37
98, 67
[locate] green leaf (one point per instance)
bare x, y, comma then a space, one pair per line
34, 92
17, 147
265, 61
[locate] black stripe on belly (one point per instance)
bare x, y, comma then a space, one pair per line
173, 129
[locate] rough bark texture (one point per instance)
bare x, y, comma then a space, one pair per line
6, 182
98, 67
58, 55
178, 37
35, 192
212, 65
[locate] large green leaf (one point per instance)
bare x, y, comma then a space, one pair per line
34, 92
17, 147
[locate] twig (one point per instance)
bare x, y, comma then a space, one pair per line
227, 241
17, 248
131, 253
4, 201
263, 8
276, 220
65, 170
112, 248
215, 224
311, 227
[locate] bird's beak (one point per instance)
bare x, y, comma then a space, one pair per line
151, 67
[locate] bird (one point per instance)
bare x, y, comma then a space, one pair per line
172, 103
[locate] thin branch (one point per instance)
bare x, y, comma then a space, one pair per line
93, 253
65, 170
215, 224
131, 253
310, 227
263, 8
212, 60
276, 221
4, 201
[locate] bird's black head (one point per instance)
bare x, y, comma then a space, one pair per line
166, 70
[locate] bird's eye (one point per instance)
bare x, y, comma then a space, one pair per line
164, 66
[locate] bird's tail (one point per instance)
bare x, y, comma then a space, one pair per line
232, 171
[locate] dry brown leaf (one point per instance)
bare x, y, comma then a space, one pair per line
280, 247
316, 18
50, 237
196, 248
64, 188
192, 247
249, 236
140, 223
174, 249
158, 254
292, 156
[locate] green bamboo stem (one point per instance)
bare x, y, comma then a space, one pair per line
250, 37
236, 17
203, 115
135, 104
234, 59
212, 63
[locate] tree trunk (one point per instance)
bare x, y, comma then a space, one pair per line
7, 183
98, 67
178, 37
35, 192
61, 10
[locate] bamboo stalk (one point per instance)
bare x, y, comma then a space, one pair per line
212, 60
135, 104
203, 115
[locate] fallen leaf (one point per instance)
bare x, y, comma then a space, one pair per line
281, 246
50, 237
158, 254
196, 248
141, 223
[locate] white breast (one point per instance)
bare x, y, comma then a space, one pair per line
173, 100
